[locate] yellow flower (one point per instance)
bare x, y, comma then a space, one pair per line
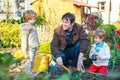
19, 55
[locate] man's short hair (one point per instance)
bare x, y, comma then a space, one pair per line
69, 16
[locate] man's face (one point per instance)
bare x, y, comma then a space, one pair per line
67, 25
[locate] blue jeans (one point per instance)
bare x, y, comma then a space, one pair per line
71, 53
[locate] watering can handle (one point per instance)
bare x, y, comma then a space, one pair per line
54, 59
50, 59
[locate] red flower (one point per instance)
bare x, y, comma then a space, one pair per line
118, 46
117, 31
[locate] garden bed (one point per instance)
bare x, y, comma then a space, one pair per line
62, 74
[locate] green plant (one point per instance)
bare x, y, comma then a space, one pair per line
23, 76
9, 35
13, 21
99, 22
39, 21
110, 32
117, 25
45, 47
108, 28
6, 59
112, 39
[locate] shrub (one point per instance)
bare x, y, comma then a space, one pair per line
110, 32
10, 32
45, 47
9, 35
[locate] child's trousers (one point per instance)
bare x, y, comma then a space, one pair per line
30, 60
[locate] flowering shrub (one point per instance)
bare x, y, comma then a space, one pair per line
118, 46
118, 32
9, 35
93, 22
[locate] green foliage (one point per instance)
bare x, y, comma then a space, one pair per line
117, 25
9, 35
23, 76
4, 73
63, 77
112, 62
6, 59
98, 21
111, 36
10, 32
112, 39
109, 29
44, 76
13, 21
39, 21
45, 47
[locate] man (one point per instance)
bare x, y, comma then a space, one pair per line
69, 42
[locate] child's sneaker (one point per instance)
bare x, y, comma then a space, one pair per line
33, 74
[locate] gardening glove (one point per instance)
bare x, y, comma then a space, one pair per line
59, 61
80, 65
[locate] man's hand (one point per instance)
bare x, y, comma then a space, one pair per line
59, 61
80, 62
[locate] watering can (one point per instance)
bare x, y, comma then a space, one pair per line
41, 62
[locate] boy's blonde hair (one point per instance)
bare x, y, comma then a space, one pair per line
100, 33
28, 15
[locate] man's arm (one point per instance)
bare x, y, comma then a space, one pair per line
55, 45
84, 41
84, 44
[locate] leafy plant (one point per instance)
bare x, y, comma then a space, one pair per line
23, 76
39, 21
6, 59
13, 21
9, 35
93, 22
45, 47
110, 33
117, 25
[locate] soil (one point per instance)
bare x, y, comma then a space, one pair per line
111, 75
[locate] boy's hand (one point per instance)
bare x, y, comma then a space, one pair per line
59, 61
98, 57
